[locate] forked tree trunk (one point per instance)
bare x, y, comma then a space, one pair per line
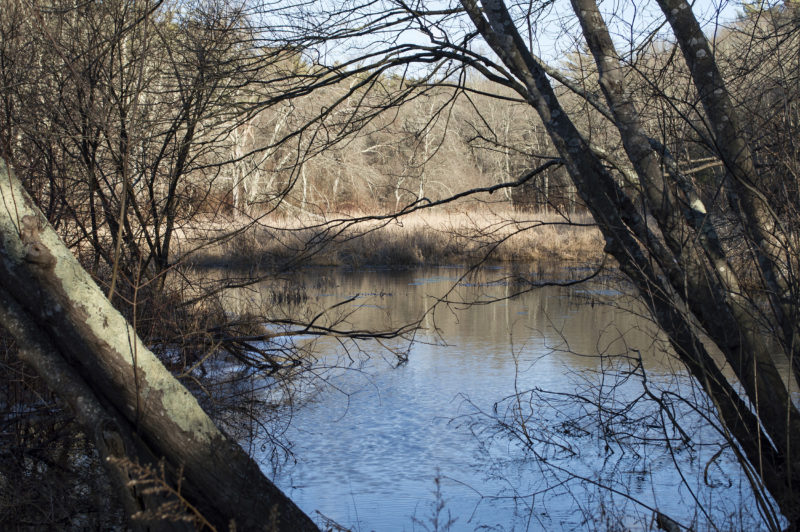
119, 390
680, 268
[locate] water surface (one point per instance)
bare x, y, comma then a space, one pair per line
376, 443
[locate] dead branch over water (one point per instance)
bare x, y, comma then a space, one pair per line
153, 136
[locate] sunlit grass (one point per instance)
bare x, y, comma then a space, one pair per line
425, 237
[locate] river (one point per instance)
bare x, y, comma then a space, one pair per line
489, 425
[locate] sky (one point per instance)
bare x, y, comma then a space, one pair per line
556, 30
628, 21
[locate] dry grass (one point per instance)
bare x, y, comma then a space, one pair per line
425, 237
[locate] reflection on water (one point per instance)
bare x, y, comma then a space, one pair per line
369, 446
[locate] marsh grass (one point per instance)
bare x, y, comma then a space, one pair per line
422, 238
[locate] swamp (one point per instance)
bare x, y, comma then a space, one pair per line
390, 265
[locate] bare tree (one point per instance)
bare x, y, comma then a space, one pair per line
665, 233
691, 201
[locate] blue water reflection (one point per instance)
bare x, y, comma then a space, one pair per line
370, 446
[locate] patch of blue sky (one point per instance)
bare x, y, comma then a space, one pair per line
370, 29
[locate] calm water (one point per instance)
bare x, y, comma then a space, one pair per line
374, 443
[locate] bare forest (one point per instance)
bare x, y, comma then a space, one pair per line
157, 153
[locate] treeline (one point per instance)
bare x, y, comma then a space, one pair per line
131, 123
370, 154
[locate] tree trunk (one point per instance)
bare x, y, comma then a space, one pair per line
50, 291
683, 283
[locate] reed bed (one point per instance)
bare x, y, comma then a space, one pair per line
421, 238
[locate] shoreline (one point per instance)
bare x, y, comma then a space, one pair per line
428, 239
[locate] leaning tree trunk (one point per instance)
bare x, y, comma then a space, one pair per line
680, 268
121, 393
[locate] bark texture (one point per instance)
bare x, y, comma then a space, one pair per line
101, 368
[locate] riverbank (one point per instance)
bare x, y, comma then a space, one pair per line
422, 238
